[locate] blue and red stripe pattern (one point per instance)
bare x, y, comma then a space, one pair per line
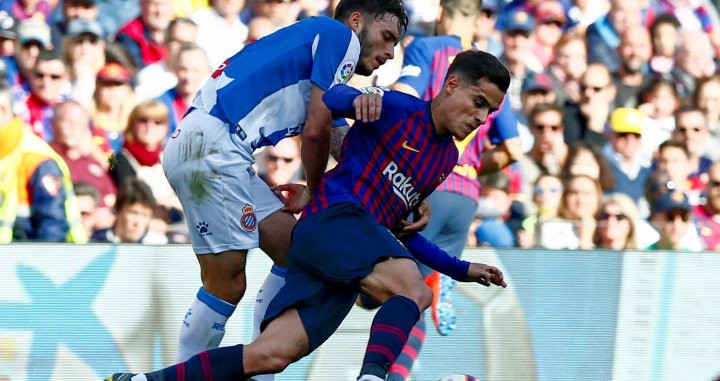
426, 61
392, 177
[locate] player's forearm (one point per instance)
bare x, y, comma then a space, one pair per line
434, 257
314, 153
337, 137
339, 100
501, 156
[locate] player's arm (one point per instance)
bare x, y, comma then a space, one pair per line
504, 135
348, 102
315, 144
337, 137
434, 257
415, 73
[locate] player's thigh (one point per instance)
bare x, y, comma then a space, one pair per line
223, 274
283, 341
396, 276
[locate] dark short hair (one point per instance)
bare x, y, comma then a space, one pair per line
86, 189
474, 65
465, 8
49, 55
134, 191
665, 18
673, 144
378, 8
545, 107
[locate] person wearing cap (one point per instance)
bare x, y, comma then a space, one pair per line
536, 88
222, 19
485, 38
624, 155
707, 215
72, 10
8, 35
672, 217
191, 67
603, 36
550, 25
33, 37
517, 52
84, 50
112, 102
144, 36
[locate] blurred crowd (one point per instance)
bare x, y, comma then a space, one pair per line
617, 104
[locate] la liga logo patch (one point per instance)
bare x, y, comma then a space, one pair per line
248, 220
345, 71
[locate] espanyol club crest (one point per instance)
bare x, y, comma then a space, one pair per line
248, 220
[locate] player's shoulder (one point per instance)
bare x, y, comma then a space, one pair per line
433, 43
322, 24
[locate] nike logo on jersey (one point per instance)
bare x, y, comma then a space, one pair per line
407, 147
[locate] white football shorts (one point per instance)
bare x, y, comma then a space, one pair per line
223, 198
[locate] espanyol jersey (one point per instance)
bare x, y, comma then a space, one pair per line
390, 165
263, 91
426, 61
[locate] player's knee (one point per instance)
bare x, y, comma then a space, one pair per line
423, 297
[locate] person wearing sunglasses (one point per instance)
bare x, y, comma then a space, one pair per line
48, 86
549, 150
707, 216
616, 223
672, 218
691, 130
547, 195
282, 162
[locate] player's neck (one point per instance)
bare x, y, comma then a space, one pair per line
436, 106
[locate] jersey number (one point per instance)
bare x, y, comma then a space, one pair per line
220, 69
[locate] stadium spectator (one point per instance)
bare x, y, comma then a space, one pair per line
584, 13
282, 162
222, 19
33, 37
694, 59
551, 22
38, 202
707, 99
281, 12
672, 216
134, 211
141, 155
585, 159
485, 37
82, 149
549, 150
658, 102
579, 205
674, 162
112, 103
144, 36
707, 215
84, 49
536, 88
635, 50
259, 27
517, 53
8, 35
191, 68
568, 67
586, 121
691, 130
48, 86
493, 209
665, 33
629, 167
154, 79
547, 194
617, 223
72, 10
603, 36
27, 9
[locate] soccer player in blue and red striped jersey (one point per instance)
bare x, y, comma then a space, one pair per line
343, 243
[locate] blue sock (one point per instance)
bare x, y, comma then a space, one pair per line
225, 363
389, 333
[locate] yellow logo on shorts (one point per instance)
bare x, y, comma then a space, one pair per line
248, 221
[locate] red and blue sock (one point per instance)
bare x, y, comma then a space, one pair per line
223, 363
389, 333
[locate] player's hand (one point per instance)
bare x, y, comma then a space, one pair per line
423, 218
485, 275
294, 196
368, 107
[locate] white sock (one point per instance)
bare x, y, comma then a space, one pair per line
370, 377
139, 377
204, 325
270, 287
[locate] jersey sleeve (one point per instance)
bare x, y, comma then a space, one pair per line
335, 55
395, 105
504, 125
48, 203
416, 67
434, 257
